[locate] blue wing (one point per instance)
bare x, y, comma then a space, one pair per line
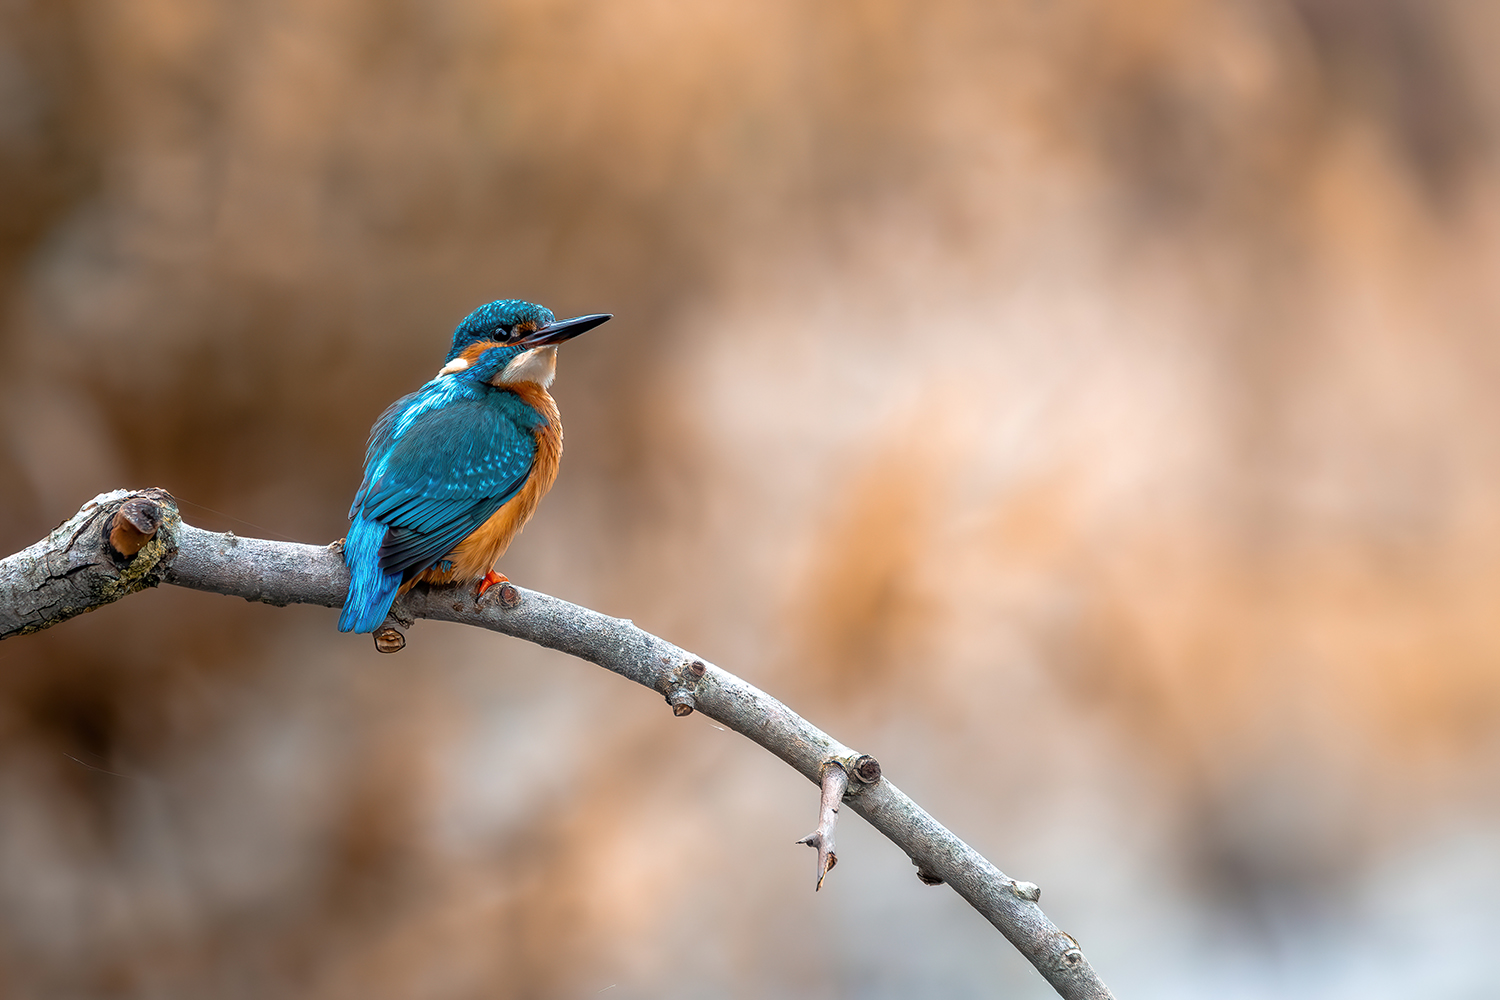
439, 464
453, 468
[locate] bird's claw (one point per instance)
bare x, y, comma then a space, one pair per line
489, 580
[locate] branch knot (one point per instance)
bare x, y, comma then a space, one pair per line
681, 686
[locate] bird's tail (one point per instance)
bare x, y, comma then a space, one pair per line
372, 590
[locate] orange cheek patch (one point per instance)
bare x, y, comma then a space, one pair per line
473, 351
468, 357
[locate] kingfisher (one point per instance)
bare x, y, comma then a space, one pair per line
454, 470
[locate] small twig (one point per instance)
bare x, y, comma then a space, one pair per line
835, 783
73, 570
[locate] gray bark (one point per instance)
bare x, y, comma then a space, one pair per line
76, 569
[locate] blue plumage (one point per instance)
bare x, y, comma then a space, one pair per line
372, 590
439, 463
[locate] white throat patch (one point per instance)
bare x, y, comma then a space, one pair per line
537, 365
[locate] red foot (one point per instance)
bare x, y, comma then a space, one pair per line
489, 580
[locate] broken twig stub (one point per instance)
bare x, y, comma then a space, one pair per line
81, 566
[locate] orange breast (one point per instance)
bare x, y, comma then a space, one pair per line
474, 556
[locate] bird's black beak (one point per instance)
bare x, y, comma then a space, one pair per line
563, 329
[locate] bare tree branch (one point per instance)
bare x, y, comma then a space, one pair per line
83, 565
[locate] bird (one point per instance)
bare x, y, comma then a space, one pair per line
454, 470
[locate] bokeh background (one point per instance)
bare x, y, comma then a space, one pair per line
1088, 408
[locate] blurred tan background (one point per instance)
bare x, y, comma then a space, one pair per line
1088, 408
